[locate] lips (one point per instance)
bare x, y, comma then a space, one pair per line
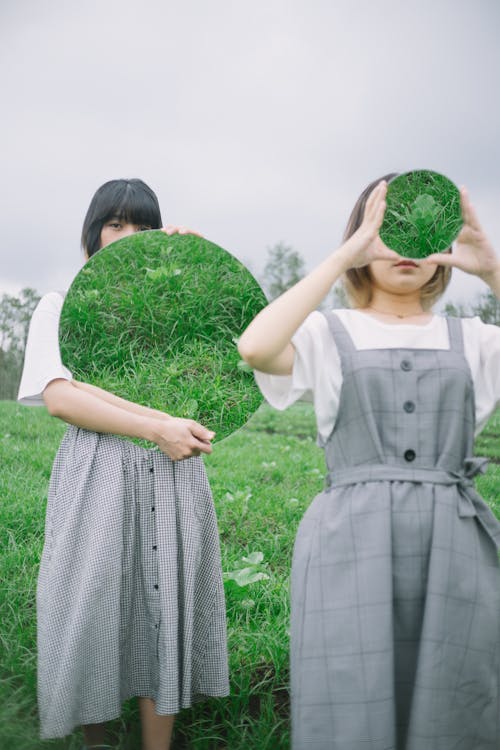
406, 264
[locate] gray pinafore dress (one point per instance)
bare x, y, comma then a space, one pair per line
130, 600
395, 632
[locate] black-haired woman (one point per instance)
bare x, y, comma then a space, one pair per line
130, 599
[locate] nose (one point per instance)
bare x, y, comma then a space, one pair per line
128, 229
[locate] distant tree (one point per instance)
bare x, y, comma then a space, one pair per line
335, 299
15, 316
488, 308
455, 311
338, 297
284, 267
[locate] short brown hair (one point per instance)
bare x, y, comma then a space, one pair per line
357, 282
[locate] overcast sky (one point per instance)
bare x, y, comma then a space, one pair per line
253, 122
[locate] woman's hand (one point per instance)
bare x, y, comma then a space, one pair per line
365, 245
172, 229
181, 438
473, 252
266, 343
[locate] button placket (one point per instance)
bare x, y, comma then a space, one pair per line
152, 553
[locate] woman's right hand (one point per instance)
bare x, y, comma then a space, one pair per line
181, 438
266, 343
365, 244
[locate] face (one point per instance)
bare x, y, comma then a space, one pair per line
115, 229
402, 276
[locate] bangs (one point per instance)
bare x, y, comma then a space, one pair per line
134, 206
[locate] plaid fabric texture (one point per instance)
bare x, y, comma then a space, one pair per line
130, 600
395, 633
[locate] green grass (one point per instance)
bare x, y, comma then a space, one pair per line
263, 478
155, 320
423, 214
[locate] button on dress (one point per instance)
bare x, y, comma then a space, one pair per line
130, 599
395, 628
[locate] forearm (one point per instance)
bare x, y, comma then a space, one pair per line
271, 331
83, 409
122, 403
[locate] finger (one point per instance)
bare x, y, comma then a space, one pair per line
440, 259
385, 253
186, 230
200, 432
169, 229
371, 202
377, 195
468, 212
202, 447
379, 216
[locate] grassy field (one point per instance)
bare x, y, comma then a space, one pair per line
263, 478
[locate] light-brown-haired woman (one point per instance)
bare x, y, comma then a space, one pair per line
395, 632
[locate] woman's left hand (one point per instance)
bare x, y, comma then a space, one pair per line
473, 252
172, 229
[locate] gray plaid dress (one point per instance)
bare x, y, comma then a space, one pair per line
130, 599
395, 633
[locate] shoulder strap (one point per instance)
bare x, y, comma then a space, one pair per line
339, 332
456, 335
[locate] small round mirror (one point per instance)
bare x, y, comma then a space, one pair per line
423, 214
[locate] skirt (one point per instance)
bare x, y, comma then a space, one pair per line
130, 600
395, 632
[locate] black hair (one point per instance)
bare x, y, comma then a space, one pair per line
129, 200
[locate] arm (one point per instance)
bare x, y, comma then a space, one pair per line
121, 402
266, 343
178, 438
473, 252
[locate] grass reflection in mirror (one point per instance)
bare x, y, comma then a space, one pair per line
423, 214
155, 319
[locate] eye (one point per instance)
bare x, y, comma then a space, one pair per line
115, 224
144, 228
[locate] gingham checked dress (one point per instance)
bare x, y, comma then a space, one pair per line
130, 599
395, 631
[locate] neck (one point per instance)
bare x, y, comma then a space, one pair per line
401, 306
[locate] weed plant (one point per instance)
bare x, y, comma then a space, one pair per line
155, 319
263, 478
423, 214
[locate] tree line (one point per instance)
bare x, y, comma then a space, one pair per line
284, 268
15, 316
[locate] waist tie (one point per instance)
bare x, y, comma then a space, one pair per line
470, 502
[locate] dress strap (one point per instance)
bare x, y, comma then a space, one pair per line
456, 335
339, 332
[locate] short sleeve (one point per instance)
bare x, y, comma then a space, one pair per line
42, 358
316, 375
482, 349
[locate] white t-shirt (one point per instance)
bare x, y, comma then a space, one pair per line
42, 358
317, 374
